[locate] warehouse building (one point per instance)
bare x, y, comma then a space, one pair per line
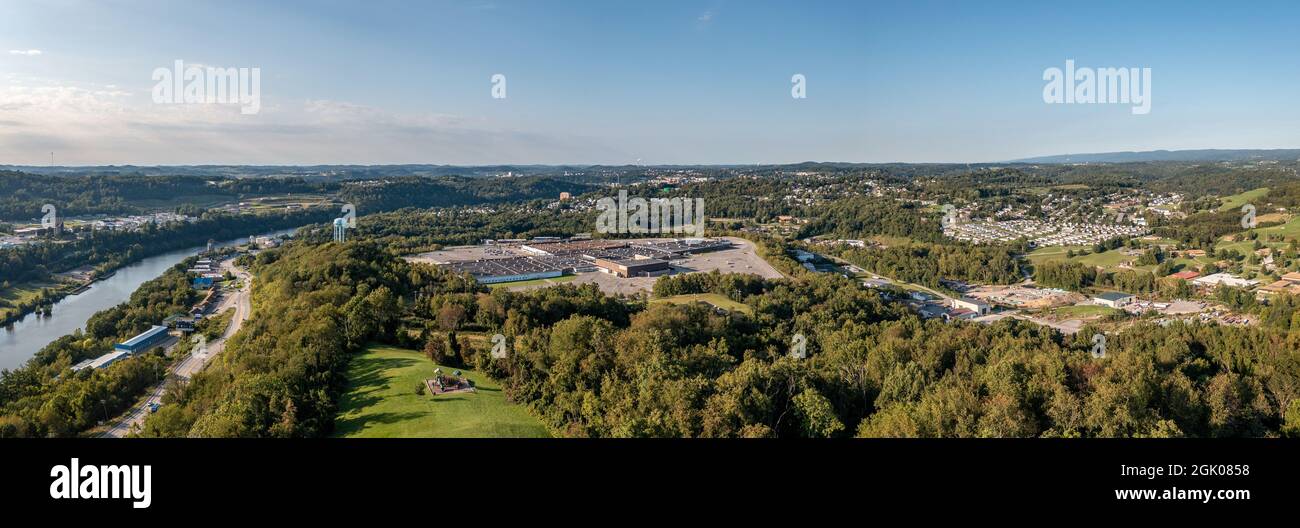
144, 341
1113, 299
101, 361
976, 306
520, 277
634, 267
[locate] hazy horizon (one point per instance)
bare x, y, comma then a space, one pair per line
675, 83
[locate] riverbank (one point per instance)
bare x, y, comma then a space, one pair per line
23, 338
19, 300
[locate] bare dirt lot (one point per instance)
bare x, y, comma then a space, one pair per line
1025, 297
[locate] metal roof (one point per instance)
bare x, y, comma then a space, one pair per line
149, 334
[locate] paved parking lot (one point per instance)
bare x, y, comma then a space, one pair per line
741, 258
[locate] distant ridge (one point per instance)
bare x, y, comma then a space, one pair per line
1171, 155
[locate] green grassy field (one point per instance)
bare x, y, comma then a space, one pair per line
1047, 253
1107, 259
711, 298
1288, 230
20, 293
1237, 200
380, 402
554, 280
891, 241
1083, 311
24, 291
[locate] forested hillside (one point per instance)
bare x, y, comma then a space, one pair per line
591, 365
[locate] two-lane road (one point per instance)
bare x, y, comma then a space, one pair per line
241, 302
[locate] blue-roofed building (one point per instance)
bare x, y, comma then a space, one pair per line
144, 341
203, 283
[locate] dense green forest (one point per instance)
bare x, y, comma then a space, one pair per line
408, 231
22, 194
412, 191
927, 264
591, 365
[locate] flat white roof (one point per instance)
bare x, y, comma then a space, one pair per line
107, 358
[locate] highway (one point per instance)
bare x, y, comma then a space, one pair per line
241, 301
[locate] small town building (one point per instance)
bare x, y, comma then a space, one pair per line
959, 314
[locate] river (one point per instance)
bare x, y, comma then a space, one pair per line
30, 334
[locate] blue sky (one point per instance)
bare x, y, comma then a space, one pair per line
614, 82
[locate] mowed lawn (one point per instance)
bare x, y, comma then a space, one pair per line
711, 298
1105, 259
20, 293
380, 402
533, 282
1237, 200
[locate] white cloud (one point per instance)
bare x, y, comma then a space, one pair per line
97, 125
29, 53
706, 17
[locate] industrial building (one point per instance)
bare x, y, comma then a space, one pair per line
101, 361
976, 306
548, 257
144, 341
634, 267
1113, 299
